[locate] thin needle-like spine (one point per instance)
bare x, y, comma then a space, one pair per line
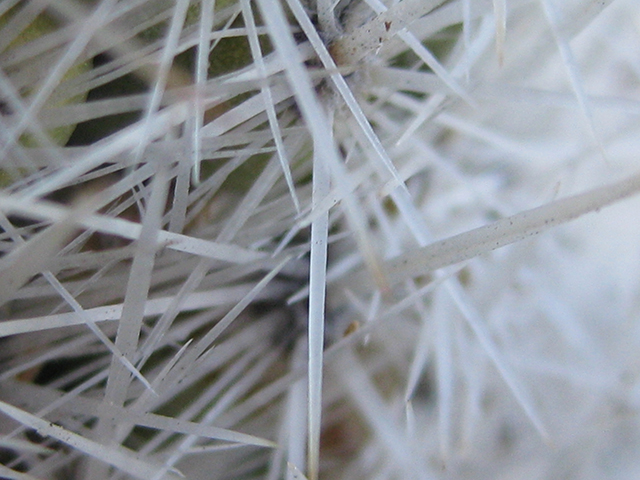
162, 77
324, 150
268, 99
207, 9
317, 293
577, 83
500, 13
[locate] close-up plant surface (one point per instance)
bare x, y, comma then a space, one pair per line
265, 239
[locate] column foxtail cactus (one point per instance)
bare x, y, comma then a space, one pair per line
346, 240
